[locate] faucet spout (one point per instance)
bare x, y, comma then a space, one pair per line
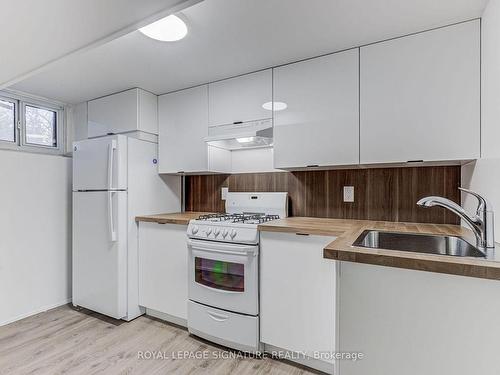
481, 223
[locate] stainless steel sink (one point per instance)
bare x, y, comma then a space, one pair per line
420, 243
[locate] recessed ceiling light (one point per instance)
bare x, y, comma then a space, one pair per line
168, 29
278, 106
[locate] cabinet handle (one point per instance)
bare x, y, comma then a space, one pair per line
312, 166
237, 122
415, 161
302, 234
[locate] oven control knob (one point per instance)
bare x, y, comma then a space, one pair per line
224, 233
233, 233
194, 229
209, 230
216, 232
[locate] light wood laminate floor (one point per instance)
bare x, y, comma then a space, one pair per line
66, 341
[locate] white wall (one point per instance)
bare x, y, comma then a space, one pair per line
35, 233
483, 175
491, 80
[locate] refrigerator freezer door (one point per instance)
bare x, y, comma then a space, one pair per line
100, 252
100, 164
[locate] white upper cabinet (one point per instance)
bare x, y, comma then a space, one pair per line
240, 99
420, 96
320, 125
183, 125
126, 111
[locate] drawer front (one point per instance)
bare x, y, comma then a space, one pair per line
225, 328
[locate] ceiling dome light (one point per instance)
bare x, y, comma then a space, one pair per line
278, 106
168, 29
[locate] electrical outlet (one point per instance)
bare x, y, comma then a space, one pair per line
223, 193
348, 193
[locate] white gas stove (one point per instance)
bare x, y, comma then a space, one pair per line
244, 212
237, 228
223, 269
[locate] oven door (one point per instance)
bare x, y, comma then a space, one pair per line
224, 275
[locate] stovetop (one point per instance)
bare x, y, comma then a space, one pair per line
236, 228
245, 211
243, 218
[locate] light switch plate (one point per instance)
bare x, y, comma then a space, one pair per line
223, 193
348, 193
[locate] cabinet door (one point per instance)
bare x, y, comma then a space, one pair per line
127, 111
320, 125
420, 96
163, 268
413, 322
240, 98
183, 119
115, 113
297, 293
148, 112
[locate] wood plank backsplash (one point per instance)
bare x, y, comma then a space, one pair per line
388, 194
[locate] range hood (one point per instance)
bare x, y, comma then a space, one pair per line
243, 135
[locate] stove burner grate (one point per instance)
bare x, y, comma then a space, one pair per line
244, 218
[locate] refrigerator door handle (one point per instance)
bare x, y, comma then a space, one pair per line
111, 148
112, 231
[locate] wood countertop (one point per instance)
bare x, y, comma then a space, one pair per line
181, 218
309, 225
347, 231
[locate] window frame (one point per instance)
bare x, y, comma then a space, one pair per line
9, 144
20, 144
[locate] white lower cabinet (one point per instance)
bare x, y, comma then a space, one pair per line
414, 322
298, 297
163, 277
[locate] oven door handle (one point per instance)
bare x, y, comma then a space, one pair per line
223, 248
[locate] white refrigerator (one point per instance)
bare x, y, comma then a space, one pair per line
115, 179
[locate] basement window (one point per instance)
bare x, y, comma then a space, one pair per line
40, 126
30, 125
7, 121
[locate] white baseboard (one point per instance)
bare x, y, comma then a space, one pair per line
34, 312
166, 317
313, 363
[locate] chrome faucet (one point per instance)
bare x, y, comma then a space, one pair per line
481, 223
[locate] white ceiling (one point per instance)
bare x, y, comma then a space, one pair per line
36, 32
230, 37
